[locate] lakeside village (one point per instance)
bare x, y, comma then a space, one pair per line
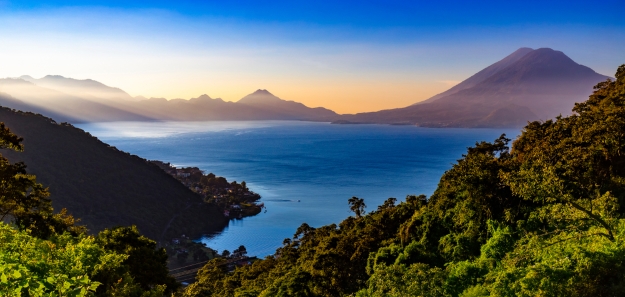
234, 199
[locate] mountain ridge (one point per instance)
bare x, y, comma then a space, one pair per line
89, 87
545, 82
482, 74
72, 100
540, 84
27, 96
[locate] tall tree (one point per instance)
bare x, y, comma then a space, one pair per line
145, 263
357, 205
25, 202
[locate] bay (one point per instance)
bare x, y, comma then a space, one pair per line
304, 171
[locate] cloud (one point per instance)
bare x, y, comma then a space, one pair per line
449, 83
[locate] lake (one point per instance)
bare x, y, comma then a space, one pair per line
304, 171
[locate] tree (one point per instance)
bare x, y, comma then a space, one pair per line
25, 202
554, 207
145, 263
357, 205
545, 218
577, 162
53, 256
389, 203
63, 265
8, 140
240, 252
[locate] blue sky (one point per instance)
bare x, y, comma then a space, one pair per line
350, 56
375, 14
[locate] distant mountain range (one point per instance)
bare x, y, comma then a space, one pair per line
526, 85
71, 100
260, 105
67, 100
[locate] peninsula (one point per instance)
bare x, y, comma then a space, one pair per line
234, 199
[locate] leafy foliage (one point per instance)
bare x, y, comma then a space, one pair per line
61, 266
543, 218
326, 261
560, 229
145, 263
46, 254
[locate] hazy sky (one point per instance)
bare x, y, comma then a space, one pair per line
349, 56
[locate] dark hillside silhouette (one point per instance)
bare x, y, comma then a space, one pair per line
106, 187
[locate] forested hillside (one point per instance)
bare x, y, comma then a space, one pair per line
541, 216
43, 253
103, 186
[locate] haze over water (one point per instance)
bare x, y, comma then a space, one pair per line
304, 171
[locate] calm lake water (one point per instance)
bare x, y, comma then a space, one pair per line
304, 171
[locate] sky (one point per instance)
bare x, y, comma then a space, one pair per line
349, 56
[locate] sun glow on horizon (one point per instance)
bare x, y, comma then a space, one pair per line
346, 68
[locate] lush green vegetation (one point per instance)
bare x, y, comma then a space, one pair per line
117, 262
47, 254
60, 266
542, 218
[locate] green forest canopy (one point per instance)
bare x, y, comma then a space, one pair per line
542, 218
